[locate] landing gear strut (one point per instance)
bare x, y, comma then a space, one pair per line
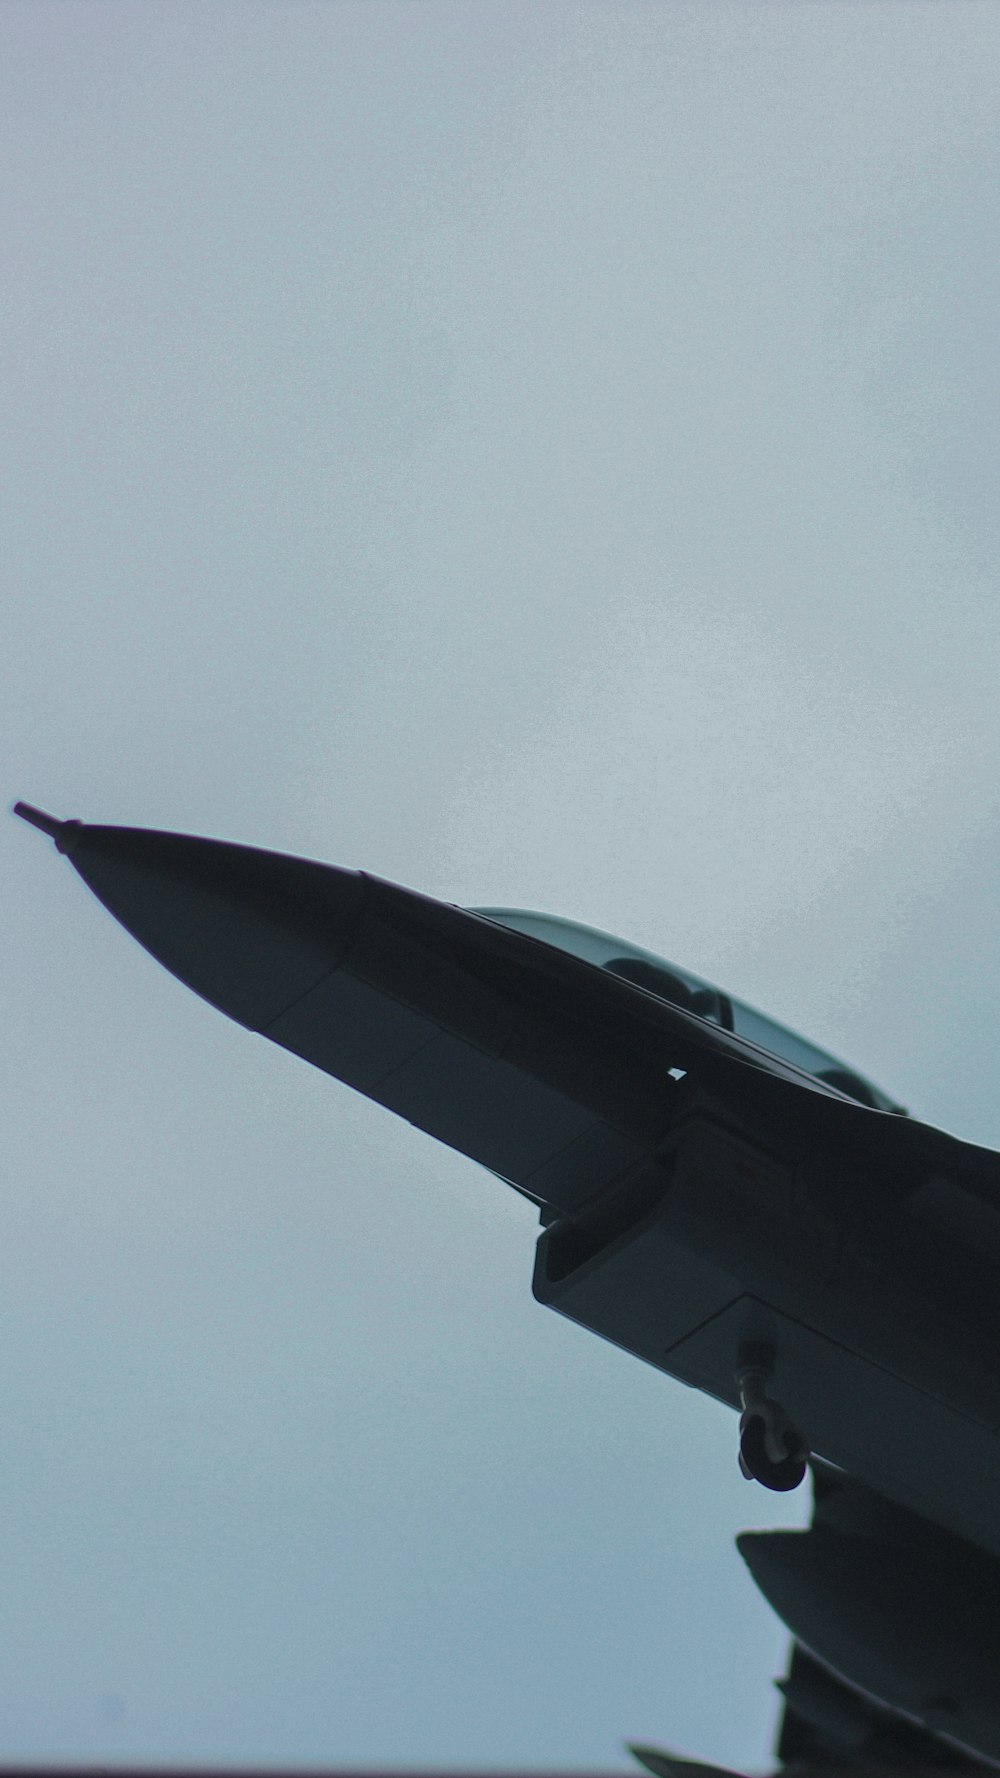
772, 1450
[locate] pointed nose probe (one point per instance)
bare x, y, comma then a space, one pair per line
63, 832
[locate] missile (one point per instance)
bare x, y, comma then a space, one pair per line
544, 1069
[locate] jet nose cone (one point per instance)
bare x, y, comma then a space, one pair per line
248, 930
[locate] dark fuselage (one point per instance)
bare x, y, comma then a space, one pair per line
698, 1192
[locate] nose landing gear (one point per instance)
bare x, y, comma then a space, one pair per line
772, 1450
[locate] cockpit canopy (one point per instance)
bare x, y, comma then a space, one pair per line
687, 991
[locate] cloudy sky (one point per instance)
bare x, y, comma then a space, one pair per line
547, 455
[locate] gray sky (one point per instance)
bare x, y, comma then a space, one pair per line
546, 455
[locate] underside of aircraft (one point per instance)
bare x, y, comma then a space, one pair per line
718, 1196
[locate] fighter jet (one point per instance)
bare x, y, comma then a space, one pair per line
717, 1196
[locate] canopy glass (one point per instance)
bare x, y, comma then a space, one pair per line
689, 992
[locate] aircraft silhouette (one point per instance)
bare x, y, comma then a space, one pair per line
717, 1196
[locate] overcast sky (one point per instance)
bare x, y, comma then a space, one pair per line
548, 455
